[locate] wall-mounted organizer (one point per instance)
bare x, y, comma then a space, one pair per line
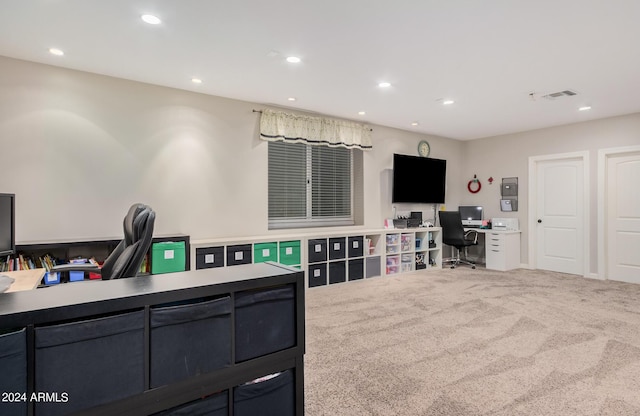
509, 194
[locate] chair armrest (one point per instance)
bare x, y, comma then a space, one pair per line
473, 238
76, 267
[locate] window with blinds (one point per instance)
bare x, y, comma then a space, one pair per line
309, 185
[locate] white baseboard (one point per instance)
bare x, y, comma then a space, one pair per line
594, 276
589, 275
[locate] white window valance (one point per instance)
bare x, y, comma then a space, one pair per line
281, 126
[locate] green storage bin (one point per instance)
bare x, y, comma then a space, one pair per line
265, 252
290, 253
167, 257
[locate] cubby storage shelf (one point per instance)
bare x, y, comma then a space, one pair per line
135, 321
100, 249
331, 257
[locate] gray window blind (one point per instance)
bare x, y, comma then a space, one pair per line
287, 180
330, 182
309, 185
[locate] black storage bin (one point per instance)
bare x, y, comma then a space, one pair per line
317, 274
94, 361
239, 254
273, 397
265, 321
356, 248
189, 340
209, 257
317, 250
337, 272
13, 367
356, 269
216, 405
337, 248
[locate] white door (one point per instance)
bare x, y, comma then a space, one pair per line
623, 217
559, 216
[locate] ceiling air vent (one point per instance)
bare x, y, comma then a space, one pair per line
559, 94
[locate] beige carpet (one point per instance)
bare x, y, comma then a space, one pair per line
473, 342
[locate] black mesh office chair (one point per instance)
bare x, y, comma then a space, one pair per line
126, 258
453, 234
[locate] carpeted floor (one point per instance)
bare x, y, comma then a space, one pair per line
473, 342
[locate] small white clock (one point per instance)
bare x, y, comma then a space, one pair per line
423, 148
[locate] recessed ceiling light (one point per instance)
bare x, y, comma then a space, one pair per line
151, 19
196, 80
415, 123
55, 51
585, 108
291, 98
384, 84
447, 102
361, 113
293, 59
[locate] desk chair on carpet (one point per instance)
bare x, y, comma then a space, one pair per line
453, 234
126, 258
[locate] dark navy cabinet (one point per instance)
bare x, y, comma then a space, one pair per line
356, 248
317, 274
209, 257
239, 254
337, 272
317, 250
356, 269
217, 341
337, 248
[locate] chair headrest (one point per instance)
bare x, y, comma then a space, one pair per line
136, 220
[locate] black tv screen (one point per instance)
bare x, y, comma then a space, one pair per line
7, 224
418, 179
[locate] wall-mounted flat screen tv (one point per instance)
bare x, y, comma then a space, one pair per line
418, 179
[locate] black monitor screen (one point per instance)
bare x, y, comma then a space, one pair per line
7, 226
470, 212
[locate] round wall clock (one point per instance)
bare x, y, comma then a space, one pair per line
423, 148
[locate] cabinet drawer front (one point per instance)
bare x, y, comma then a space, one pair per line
209, 257
495, 241
265, 252
495, 246
495, 259
337, 248
317, 250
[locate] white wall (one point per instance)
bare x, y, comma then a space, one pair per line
78, 149
508, 155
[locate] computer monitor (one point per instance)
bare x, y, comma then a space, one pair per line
472, 216
7, 224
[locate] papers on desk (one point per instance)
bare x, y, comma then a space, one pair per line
5, 282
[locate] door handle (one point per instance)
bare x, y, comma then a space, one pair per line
539, 221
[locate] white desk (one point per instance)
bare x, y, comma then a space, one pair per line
501, 248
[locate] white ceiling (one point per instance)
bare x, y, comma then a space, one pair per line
487, 55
